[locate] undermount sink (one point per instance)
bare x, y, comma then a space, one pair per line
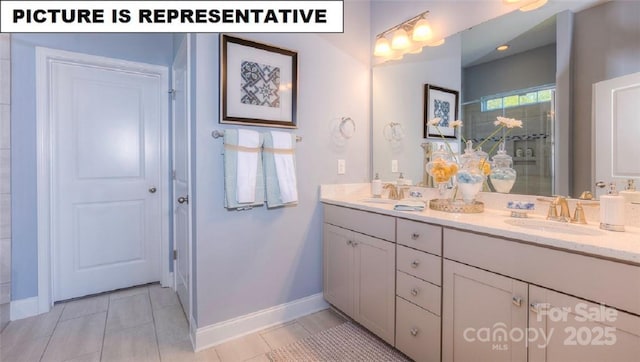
553, 226
379, 200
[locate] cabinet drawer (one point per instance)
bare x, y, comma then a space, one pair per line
417, 291
417, 332
419, 264
368, 223
420, 236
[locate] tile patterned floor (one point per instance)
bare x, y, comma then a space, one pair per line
143, 323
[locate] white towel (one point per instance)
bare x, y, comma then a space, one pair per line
247, 166
285, 167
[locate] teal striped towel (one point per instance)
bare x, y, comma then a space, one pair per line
409, 205
280, 169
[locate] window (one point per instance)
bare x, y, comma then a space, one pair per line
519, 99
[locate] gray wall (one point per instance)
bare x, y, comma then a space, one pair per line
507, 74
148, 48
252, 260
606, 45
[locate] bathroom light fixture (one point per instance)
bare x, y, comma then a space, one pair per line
400, 40
410, 36
422, 31
382, 48
502, 47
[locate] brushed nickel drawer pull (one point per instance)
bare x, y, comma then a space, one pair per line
539, 307
414, 331
415, 263
517, 301
415, 236
415, 292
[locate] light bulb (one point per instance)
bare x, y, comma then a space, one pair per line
400, 40
382, 48
422, 31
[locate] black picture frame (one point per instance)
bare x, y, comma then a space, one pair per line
438, 102
258, 84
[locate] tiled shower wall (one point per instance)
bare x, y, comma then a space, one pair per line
5, 176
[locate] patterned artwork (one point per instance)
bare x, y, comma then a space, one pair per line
442, 109
260, 84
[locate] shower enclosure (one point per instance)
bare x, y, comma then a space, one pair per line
530, 146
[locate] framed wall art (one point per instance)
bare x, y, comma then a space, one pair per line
258, 82
443, 103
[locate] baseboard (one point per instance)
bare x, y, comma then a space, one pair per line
24, 308
218, 333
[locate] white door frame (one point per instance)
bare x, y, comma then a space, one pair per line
45, 174
185, 46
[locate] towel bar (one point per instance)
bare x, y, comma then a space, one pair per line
220, 134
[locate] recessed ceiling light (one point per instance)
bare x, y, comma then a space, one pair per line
502, 48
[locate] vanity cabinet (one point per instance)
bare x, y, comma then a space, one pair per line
359, 271
440, 293
497, 295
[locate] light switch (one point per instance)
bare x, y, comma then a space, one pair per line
394, 165
342, 167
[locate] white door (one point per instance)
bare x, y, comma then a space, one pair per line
106, 123
181, 130
617, 130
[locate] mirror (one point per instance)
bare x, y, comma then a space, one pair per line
398, 99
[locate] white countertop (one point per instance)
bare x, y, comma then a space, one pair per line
620, 246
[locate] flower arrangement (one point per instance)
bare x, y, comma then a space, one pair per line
475, 164
443, 165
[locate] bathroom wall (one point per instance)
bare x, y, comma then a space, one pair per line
5, 178
251, 260
148, 48
606, 45
508, 74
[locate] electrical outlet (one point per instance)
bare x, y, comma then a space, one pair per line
394, 165
342, 167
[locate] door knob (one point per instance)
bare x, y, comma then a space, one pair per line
183, 199
152, 190
601, 184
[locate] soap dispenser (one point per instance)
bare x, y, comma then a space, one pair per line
612, 210
376, 186
400, 181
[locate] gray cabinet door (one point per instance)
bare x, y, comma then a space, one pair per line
564, 328
375, 285
484, 315
338, 268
